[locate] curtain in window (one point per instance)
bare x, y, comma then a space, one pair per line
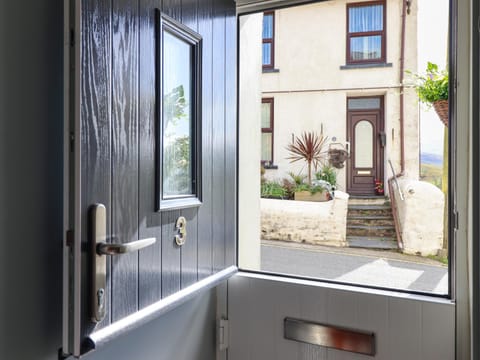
267, 26
365, 18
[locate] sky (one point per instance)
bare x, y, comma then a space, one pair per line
432, 46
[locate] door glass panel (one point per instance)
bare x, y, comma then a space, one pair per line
363, 144
363, 103
329, 207
177, 97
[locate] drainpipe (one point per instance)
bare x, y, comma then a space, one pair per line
402, 88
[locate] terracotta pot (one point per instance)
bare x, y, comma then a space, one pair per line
441, 108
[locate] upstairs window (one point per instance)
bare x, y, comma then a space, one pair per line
366, 32
268, 34
267, 132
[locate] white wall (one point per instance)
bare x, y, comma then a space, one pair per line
249, 134
406, 326
310, 89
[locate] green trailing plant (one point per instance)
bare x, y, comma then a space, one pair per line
309, 147
432, 86
328, 174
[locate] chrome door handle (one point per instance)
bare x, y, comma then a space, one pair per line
99, 248
118, 249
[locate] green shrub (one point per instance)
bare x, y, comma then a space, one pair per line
328, 174
272, 189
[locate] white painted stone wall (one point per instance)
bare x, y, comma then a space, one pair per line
420, 216
320, 223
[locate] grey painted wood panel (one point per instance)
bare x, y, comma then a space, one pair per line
125, 145
405, 327
119, 143
230, 136
150, 259
189, 251
171, 255
95, 137
218, 137
205, 226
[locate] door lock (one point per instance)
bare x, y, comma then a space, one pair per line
99, 248
181, 226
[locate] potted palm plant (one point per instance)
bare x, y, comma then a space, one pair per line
432, 89
309, 147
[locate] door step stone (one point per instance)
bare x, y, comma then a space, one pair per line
368, 242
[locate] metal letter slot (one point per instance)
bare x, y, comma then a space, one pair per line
100, 248
330, 336
181, 226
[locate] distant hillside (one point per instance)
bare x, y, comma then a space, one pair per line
432, 174
432, 159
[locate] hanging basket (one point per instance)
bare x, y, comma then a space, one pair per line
441, 108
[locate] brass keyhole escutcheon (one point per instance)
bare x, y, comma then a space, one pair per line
181, 226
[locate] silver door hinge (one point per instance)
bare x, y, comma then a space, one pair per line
223, 334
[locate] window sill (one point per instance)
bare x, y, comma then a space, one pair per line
270, 167
270, 70
365, 66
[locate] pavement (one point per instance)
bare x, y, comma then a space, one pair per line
386, 269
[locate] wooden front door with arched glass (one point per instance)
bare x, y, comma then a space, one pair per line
365, 132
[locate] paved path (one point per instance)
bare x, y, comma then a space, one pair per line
377, 268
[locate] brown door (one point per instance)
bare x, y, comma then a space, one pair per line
365, 130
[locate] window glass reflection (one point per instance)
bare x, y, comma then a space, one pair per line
177, 117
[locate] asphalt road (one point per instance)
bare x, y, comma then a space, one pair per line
367, 267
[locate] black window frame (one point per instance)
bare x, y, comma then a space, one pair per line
382, 33
164, 23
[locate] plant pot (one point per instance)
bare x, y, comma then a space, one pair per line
308, 196
441, 108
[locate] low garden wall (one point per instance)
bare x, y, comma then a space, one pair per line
421, 216
320, 223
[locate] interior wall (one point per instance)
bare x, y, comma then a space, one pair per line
31, 206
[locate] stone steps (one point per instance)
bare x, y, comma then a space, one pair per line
371, 230
382, 220
370, 224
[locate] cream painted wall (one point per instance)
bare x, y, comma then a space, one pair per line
310, 88
249, 146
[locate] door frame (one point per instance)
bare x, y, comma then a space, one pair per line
462, 247
379, 155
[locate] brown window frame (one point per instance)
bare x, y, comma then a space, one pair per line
270, 41
382, 33
269, 130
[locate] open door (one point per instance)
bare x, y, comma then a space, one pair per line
303, 311
151, 161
